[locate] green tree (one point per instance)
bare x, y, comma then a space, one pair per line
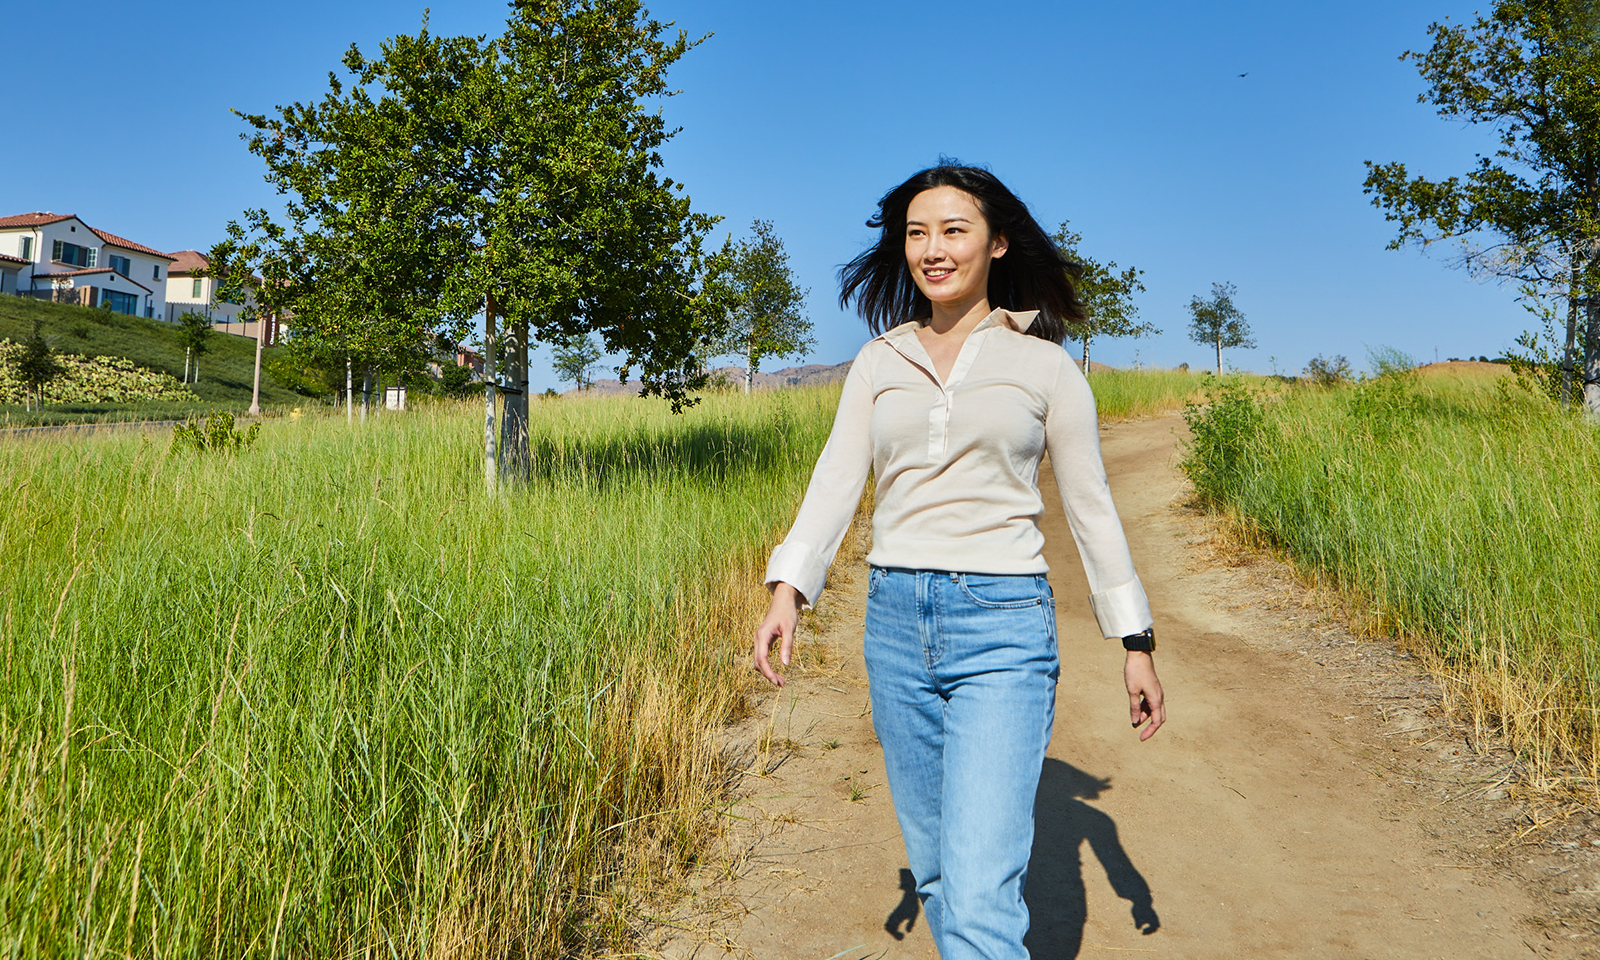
455, 380
194, 333
574, 357
36, 366
1107, 293
1217, 322
763, 305
517, 176
1530, 211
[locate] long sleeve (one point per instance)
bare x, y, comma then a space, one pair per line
803, 558
1072, 437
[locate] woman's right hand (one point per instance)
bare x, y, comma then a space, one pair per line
779, 624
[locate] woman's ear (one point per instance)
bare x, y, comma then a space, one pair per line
997, 246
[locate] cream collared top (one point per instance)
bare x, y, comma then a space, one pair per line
957, 467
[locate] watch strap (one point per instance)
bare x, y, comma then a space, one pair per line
1143, 641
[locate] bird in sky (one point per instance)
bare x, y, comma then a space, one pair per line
1245, 74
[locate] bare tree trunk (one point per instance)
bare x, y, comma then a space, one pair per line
1086, 356
750, 361
366, 391
1572, 337
349, 390
1219, 356
185, 364
491, 467
514, 412
1591, 363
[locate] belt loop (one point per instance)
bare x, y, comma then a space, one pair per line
955, 577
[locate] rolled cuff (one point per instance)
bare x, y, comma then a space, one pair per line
1123, 610
800, 566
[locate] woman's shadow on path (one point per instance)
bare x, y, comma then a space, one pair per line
1057, 899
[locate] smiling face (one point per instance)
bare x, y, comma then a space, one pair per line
948, 248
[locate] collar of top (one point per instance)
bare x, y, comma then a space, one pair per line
1018, 320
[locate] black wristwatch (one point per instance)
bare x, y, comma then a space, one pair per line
1143, 641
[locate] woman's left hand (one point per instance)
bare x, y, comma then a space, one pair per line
1145, 702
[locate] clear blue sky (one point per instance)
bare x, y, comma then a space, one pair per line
1131, 120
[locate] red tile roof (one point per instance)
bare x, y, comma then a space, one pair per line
33, 219
7, 256
37, 219
187, 261
117, 241
85, 273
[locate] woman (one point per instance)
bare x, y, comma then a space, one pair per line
952, 410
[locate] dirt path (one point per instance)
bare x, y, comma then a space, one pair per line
1306, 799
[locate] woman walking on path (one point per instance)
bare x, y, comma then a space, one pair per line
951, 406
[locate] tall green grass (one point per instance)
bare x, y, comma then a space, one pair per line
326, 698
1460, 514
1124, 394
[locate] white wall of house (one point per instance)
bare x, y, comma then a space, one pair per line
148, 271
182, 298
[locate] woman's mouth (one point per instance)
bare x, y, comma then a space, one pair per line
938, 273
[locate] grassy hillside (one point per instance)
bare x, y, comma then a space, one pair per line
225, 370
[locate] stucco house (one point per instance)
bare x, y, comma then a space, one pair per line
190, 290
65, 259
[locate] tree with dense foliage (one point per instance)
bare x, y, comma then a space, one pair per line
574, 357
194, 332
518, 176
1107, 293
1217, 322
1526, 69
765, 306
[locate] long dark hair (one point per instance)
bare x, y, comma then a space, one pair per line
1031, 276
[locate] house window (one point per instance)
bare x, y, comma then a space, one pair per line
197, 283
27, 248
73, 254
157, 273
121, 264
127, 303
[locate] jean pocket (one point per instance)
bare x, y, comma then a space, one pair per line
1002, 592
875, 577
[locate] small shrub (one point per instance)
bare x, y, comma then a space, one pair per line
1389, 361
1328, 371
1224, 432
215, 433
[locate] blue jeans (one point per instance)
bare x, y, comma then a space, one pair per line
963, 671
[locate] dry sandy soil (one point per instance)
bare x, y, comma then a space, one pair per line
1308, 797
